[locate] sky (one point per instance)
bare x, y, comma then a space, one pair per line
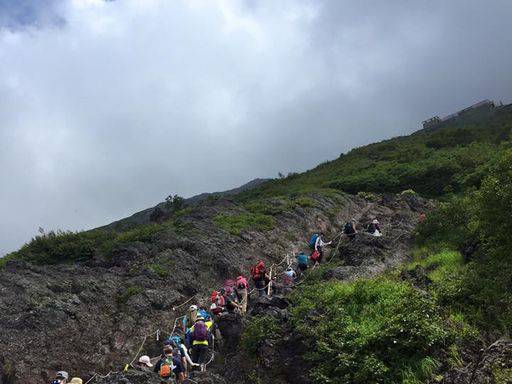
106, 107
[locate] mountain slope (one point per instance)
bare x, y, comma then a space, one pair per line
85, 299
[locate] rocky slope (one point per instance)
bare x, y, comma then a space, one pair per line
92, 317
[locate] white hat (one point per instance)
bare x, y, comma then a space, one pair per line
375, 221
63, 374
145, 360
76, 380
193, 308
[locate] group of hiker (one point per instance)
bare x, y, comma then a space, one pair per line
187, 349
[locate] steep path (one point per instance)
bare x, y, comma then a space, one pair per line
87, 317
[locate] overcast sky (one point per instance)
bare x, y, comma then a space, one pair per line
108, 107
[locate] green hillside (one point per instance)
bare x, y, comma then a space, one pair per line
390, 328
452, 158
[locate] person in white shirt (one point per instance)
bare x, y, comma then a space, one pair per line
319, 244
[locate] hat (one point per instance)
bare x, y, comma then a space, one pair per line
193, 308
63, 375
375, 221
143, 360
167, 350
199, 318
76, 380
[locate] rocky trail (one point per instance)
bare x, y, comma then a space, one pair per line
92, 317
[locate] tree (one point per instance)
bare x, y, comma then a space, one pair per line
175, 202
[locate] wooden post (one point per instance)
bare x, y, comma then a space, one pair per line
269, 292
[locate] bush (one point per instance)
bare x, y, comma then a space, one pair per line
370, 331
259, 331
123, 297
235, 224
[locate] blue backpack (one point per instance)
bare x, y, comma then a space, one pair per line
302, 259
312, 241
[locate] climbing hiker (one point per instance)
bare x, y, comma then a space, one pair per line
199, 335
190, 318
422, 217
186, 360
302, 261
165, 365
232, 302
260, 277
218, 301
374, 228
178, 370
350, 229
242, 289
289, 277
144, 364
61, 378
318, 251
76, 380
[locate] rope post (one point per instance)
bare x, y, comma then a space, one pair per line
269, 292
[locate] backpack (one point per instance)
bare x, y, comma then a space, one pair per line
200, 331
315, 256
257, 270
241, 282
313, 239
348, 228
228, 286
302, 259
166, 367
214, 296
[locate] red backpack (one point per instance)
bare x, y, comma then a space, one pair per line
257, 270
215, 293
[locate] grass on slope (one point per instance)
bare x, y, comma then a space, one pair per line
452, 158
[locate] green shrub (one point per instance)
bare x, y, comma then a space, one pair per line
235, 224
124, 296
370, 331
260, 330
441, 265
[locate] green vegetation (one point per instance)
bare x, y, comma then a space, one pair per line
376, 330
60, 246
439, 266
235, 224
451, 159
123, 297
260, 330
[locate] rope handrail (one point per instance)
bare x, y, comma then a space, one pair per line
286, 258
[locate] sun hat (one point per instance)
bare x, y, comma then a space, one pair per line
199, 318
375, 221
76, 380
145, 360
63, 375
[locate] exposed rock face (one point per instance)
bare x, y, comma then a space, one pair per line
92, 317
492, 365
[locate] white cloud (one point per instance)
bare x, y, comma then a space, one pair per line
125, 102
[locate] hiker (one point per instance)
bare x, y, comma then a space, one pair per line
190, 318
199, 335
302, 261
144, 364
61, 378
76, 380
232, 302
242, 289
318, 243
186, 361
422, 217
260, 277
179, 370
165, 366
374, 228
218, 301
289, 277
350, 229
